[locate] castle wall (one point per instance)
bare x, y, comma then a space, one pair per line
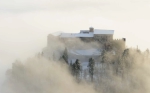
87, 39
104, 38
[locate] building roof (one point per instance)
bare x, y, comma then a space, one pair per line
87, 33
73, 35
100, 31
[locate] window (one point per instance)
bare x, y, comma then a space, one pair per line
86, 32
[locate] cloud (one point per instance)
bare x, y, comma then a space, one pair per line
67, 5
40, 75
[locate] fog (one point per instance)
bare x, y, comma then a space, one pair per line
25, 24
37, 74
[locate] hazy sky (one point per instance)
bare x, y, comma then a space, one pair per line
25, 24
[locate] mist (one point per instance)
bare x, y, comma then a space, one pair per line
38, 74
25, 24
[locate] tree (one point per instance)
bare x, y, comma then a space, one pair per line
103, 57
65, 55
125, 58
76, 68
91, 66
126, 62
147, 50
125, 53
147, 53
71, 68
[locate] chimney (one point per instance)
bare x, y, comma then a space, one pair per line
124, 39
91, 29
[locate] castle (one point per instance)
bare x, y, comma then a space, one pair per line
103, 37
89, 35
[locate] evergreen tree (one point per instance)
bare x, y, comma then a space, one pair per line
71, 68
147, 53
126, 62
125, 53
103, 58
76, 68
147, 50
91, 66
125, 58
65, 55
